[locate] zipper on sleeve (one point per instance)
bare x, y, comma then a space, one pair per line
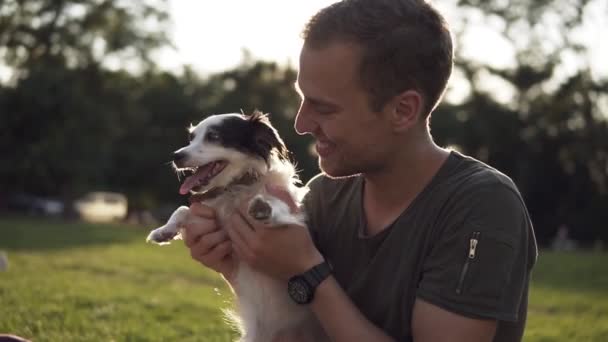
471, 255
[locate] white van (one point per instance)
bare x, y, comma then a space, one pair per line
102, 206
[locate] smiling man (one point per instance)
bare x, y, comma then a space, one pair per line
406, 241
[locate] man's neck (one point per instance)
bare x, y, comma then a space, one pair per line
389, 192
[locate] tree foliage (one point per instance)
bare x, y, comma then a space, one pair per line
550, 133
80, 33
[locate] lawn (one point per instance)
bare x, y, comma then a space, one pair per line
86, 282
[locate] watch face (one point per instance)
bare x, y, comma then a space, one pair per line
299, 290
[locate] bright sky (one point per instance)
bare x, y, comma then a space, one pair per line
210, 35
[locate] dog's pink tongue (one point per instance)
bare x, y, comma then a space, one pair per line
194, 180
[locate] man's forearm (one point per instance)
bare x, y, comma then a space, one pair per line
340, 318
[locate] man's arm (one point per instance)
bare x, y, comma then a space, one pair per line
340, 318
342, 321
431, 323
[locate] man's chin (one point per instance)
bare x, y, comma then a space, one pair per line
335, 171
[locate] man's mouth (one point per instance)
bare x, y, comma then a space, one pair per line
324, 148
201, 176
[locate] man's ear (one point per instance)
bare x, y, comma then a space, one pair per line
406, 110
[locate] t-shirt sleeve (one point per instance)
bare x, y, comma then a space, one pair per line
312, 207
478, 264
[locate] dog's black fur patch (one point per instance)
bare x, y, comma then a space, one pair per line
253, 135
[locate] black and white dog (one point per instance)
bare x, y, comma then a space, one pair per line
233, 158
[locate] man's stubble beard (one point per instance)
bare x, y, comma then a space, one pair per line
347, 171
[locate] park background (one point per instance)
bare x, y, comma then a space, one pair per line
96, 94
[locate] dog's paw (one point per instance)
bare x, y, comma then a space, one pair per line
260, 209
161, 236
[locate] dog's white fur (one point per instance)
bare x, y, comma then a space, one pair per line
263, 307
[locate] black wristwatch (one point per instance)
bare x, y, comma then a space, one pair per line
301, 287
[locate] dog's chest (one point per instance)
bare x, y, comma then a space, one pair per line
227, 200
264, 305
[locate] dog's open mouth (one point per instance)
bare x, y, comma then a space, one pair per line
202, 176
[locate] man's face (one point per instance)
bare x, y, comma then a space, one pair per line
335, 110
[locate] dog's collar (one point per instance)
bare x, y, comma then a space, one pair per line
246, 179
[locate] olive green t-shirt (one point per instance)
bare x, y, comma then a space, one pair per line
465, 244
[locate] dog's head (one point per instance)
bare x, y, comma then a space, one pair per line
224, 147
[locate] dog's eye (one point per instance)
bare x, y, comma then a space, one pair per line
212, 136
191, 136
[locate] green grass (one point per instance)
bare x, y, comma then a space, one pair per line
569, 298
85, 282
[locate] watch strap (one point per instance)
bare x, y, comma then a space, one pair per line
317, 274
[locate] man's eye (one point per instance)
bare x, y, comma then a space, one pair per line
212, 136
323, 109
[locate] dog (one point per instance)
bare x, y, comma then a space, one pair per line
233, 158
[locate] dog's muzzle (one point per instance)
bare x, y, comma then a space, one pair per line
179, 158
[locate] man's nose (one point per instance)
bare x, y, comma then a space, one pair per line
303, 124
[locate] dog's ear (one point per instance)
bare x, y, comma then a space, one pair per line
266, 137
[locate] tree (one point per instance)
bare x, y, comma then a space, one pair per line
62, 113
530, 118
80, 33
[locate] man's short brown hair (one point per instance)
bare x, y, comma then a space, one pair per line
406, 44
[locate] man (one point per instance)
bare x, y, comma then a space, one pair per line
425, 244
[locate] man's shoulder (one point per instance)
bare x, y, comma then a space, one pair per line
470, 174
471, 186
482, 198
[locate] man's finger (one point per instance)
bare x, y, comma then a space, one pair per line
240, 222
191, 239
202, 210
218, 253
240, 233
236, 248
209, 241
195, 227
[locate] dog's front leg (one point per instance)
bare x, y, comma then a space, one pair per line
273, 210
171, 230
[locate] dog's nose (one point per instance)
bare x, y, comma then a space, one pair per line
178, 157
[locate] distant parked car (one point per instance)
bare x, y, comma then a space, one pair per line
102, 206
34, 205
49, 206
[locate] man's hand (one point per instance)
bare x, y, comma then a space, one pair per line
279, 252
208, 243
